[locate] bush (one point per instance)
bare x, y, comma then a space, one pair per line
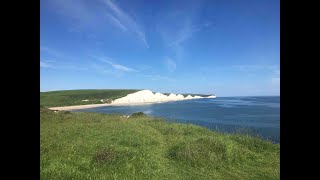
105, 156
44, 109
138, 114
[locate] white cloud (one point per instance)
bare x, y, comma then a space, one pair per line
275, 80
117, 22
72, 67
56, 57
77, 10
143, 67
170, 64
207, 24
117, 66
61, 65
184, 34
82, 14
44, 65
159, 78
51, 61
124, 21
102, 70
177, 27
121, 67
254, 67
177, 44
50, 51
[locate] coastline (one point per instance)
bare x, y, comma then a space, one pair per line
142, 97
66, 108
87, 106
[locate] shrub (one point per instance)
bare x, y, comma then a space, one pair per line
105, 155
138, 114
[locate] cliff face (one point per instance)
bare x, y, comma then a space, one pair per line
146, 96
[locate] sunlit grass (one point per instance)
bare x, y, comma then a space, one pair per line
102, 146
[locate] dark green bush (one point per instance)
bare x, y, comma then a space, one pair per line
138, 114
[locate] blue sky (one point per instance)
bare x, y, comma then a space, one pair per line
227, 48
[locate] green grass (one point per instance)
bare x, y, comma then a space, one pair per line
75, 97
79, 145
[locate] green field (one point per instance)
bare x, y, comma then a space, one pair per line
75, 97
79, 145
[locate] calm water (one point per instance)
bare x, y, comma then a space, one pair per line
254, 115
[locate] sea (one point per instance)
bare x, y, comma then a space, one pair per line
256, 116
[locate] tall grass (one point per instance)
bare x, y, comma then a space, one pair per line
104, 146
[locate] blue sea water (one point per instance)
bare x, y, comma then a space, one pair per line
250, 115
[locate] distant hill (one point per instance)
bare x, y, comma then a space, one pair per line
81, 97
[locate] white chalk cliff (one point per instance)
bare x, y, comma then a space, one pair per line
146, 96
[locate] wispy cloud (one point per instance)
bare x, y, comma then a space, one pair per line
77, 10
103, 70
84, 15
50, 51
175, 38
184, 34
45, 65
207, 24
251, 68
121, 67
170, 64
51, 61
73, 67
52, 64
53, 55
124, 21
158, 77
176, 29
275, 80
178, 42
144, 67
117, 22
114, 65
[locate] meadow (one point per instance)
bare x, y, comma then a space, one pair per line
81, 145
76, 97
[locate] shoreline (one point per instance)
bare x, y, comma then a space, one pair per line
143, 97
87, 106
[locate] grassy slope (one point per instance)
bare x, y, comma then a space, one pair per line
99, 146
75, 97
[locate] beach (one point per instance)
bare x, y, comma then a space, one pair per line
69, 108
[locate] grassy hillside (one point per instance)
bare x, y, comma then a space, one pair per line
75, 97
100, 146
